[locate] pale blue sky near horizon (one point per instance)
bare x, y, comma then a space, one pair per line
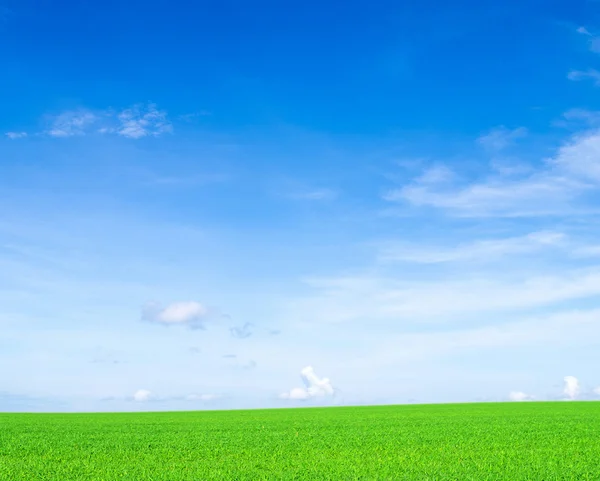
198, 203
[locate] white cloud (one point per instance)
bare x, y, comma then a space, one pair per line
388, 299
572, 387
594, 41
486, 250
71, 123
319, 194
435, 175
142, 395
202, 397
135, 122
500, 138
313, 387
597, 391
590, 73
139, 121
561, 330
520, 396
579, 116
583, 31
190, 313
554, 189
16, 135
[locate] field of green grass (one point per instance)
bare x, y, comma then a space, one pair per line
512, 441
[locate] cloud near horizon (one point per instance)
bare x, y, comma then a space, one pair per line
520, 396
314, 387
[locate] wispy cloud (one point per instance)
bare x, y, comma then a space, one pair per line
202, 397
501, 137
552, 189
16, 135
315, 194
142, 121
71, 123
144, 395
583, 31
378, 298
486, 250
134, 122
194, 115
579, 118
593, 40
591, 74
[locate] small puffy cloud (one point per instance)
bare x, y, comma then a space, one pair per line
142, 395
71, 123
241, 332
313, 387
572, 388
142, 121
16, 135
597, 391
500, 138
591, 74
188, 313
297, 393
519, 396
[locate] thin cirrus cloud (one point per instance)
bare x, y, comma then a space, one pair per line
485, 250
501, 137
387, 299
557, 187
320, 194
16, 135
138, 121
314, 387
589, 74
72, 123
135, 122
594, 41
144, 395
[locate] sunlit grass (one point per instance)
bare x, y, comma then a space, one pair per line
513, 441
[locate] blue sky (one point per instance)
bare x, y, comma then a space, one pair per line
231, 205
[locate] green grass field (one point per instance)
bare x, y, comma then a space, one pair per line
513, 441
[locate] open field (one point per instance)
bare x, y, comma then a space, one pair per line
513, 441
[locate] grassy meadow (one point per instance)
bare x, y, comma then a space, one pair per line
486, 441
